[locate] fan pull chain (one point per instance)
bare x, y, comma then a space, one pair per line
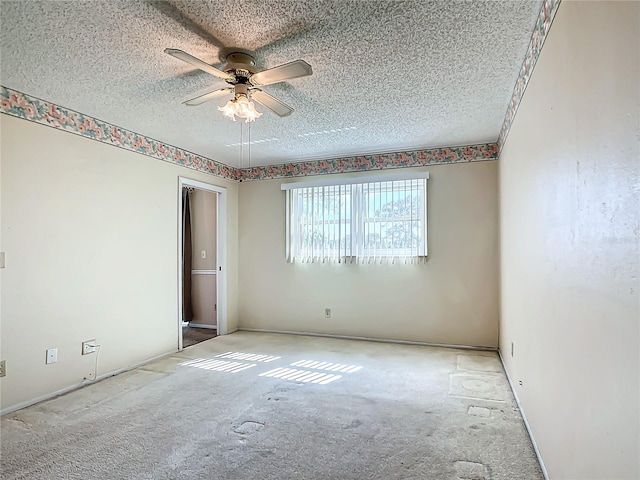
241, 146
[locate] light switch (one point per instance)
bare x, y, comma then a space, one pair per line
203, 254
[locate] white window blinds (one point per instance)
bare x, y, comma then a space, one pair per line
364, 222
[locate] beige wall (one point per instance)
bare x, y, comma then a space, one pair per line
569, 177
453, 298
90, 233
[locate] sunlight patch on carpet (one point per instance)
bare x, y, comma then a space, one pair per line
332, 367
252, 357
218, 365
303, 376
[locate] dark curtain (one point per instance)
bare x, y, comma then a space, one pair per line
187, 256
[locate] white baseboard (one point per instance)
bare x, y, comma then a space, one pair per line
369, 339
524, 418
202, 325
71, 388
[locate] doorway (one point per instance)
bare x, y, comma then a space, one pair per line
201, 261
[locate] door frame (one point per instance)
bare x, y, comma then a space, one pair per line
221, 253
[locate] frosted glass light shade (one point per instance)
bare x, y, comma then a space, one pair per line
240, 107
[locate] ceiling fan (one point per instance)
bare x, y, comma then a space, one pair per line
240, 72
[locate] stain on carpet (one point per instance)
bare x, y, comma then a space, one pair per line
249, 428
479, 387
471, 471
353, 424
479, 363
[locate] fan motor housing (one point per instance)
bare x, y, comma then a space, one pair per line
241, 89
241, 66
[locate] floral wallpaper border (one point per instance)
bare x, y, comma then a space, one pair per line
540, 31
40, 111
30, 108
363, 163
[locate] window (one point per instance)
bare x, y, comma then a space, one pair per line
364, 221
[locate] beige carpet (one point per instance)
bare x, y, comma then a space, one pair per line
262, 406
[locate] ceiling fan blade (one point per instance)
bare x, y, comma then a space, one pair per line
272, 103
185, 57
296, 69
208, 96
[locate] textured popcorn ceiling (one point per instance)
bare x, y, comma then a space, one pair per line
388, 75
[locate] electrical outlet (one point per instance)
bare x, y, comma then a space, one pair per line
88, 347
3, 368
52, 356
203, 254
327, 313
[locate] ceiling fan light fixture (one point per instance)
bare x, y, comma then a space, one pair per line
240, 107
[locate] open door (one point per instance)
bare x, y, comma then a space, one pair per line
201, 260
